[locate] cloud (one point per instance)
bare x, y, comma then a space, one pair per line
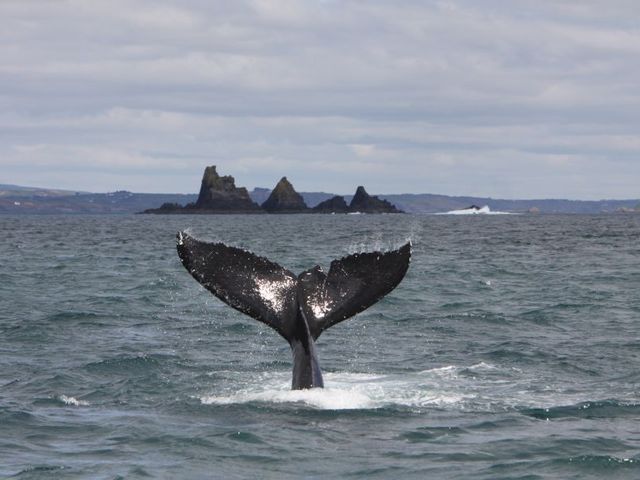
492, 98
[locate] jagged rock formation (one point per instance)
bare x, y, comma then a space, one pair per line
284, 199
365, 203
333, 205
260, 195
221, 193
361, 202
217, 195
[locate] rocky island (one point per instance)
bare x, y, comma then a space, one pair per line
364, 203
220, 195
335, 204
361, 202
217, 195
284, 199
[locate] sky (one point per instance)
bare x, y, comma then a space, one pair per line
500, 98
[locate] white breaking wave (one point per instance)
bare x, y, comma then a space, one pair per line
73, 401
474, 211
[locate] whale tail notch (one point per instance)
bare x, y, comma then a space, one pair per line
275, 296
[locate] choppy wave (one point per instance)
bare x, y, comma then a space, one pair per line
605, 462
507, 352
591, 409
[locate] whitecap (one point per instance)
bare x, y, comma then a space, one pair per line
475, 211
73, 401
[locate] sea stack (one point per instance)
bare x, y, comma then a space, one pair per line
221, 194
284, 199
365, 203
333, 205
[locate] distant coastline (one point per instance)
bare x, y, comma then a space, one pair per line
20, 200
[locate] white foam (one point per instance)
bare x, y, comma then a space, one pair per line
73, 401
348, 391
478, 387
474, 211
322, 398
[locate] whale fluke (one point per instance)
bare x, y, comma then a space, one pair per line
299, 307
251, 284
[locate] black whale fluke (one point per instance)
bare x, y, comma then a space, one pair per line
299, 307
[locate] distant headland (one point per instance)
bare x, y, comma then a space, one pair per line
23, 200
220, 195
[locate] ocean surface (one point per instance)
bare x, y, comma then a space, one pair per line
510, 350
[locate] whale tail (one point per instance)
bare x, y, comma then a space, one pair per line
273, 295
299, 307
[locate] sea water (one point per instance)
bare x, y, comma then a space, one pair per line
510, 350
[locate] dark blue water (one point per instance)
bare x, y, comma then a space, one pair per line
510, 350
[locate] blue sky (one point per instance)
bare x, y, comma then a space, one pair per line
523, 99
